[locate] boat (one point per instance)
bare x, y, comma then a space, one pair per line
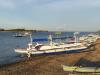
90, 38
51, 48
81, 69
19, 35
69, 68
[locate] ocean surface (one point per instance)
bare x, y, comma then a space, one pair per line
8, 42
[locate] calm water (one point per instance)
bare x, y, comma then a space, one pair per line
8, 43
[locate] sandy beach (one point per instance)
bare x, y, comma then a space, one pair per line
51, 64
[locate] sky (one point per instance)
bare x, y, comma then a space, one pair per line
53, 15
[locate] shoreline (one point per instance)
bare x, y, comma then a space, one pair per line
51, 64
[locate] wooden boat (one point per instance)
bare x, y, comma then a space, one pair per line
81, 69
51, 48
69, 68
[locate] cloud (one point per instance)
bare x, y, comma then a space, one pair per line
71, 5
52, 5
49, 12
57, 4
5, 4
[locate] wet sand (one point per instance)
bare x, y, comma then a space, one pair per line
51, 64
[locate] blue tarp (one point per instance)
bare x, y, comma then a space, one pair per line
59, 38
46, 39
40, 39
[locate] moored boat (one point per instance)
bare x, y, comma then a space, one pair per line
19, 35
81, 69
90, 38
22, 34
51, 48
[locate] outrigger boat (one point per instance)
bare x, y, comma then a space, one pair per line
51, 48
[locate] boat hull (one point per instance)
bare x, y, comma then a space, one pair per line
21, 51
55, 51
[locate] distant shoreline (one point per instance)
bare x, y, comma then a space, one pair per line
30, 30
22, 30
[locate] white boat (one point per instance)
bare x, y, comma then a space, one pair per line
51, 48
22, 34
19, 35
90, 38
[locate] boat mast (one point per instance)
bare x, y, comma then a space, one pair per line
30, 38
30, 45
50, 39
76, 37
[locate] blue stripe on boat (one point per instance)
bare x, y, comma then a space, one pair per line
63, 52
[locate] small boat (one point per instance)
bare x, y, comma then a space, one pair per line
51, 48
90, 38
69, 68
22, 34
81, 69
19, 35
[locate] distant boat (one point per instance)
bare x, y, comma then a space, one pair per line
51, 48
19, 35
27, 33
90, 38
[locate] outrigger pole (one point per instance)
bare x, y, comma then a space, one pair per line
76, 37
30, 44
50, 39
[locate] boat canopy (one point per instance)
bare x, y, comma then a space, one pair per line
47, 39
62, 38
40, 39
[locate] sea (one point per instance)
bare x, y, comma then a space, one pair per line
8, 43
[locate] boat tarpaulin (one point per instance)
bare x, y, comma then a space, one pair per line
40, 39
59, 38
47, 39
